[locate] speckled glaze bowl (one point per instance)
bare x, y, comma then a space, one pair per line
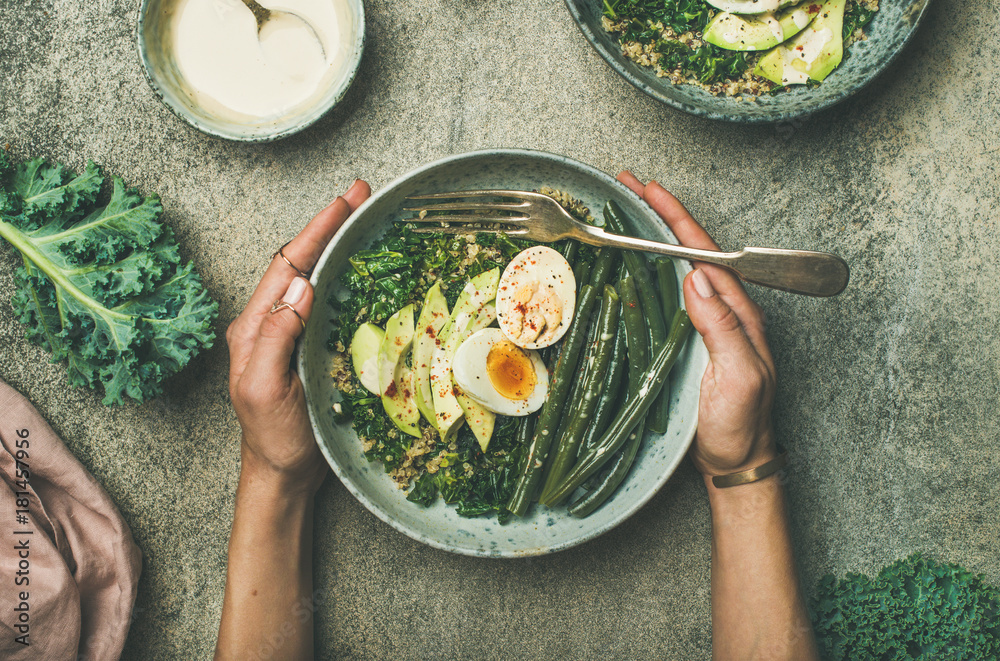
543, 530
888, 33
168, 84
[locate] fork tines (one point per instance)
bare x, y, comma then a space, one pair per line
475, 212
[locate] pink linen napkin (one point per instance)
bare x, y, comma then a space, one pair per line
68, 566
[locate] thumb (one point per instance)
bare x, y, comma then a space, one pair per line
272, 352
711, 316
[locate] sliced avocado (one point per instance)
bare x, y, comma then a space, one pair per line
448, 414
746, 33
751, 6
477, 292
433, 317
395, 380
364, 355
481, 421
473, 306
487, 315
813, 53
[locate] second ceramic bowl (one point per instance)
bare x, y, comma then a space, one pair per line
889, 31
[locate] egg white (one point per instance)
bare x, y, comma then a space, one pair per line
469, 371
548, 273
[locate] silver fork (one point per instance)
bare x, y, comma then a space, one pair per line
540, 218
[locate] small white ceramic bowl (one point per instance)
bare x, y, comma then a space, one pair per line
543, 530
168, 84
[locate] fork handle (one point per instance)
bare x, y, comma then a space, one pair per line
796, 271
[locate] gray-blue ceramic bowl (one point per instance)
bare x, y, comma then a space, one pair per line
543, 530
152, 39
888, 32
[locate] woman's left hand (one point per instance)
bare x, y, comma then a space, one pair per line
266, 392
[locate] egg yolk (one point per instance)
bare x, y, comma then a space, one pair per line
510, 370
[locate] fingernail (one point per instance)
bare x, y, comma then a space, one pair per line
702, 284
295, 291
351, 187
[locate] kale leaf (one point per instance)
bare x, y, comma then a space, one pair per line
679, 15
402, 266
914, 609
102, 286
487, 485
706, 62
856, 16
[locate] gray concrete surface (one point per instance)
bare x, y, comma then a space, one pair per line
888, 394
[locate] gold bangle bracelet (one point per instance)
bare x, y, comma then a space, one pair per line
754, 474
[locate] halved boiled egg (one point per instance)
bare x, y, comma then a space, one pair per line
500, 375
536, 298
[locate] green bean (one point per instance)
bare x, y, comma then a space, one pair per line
635, 327
582, 266
522, 437
610, 391
604, 267
635, 410
666, 278
548, 419
590, 501
569, 442
606, 485
639, 269
667, 284
573, 400
652, 305
569, 249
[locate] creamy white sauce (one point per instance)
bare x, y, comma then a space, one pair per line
235, 73
800, 18
805, 49
775, 27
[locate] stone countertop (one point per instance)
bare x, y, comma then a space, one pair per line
887, 394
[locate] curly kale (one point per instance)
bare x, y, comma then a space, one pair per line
914, 609
402, 266
487, 486
679, 15
102, 286
856, 15
645, 20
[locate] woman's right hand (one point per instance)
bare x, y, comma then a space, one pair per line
737, 391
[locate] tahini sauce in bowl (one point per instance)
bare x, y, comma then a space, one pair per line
210, 65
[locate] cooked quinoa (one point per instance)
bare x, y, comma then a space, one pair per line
658, 39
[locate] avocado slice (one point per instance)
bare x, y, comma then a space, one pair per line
746, 33
476, 293
448, 414
751, 6
364, 355
813, 53
395, 379
487, 315
433, 317
481, 420
472, 308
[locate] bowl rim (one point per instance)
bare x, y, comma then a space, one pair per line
770, 118
308, 120
300, 361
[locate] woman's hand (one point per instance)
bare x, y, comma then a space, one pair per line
265, 390
737, 391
